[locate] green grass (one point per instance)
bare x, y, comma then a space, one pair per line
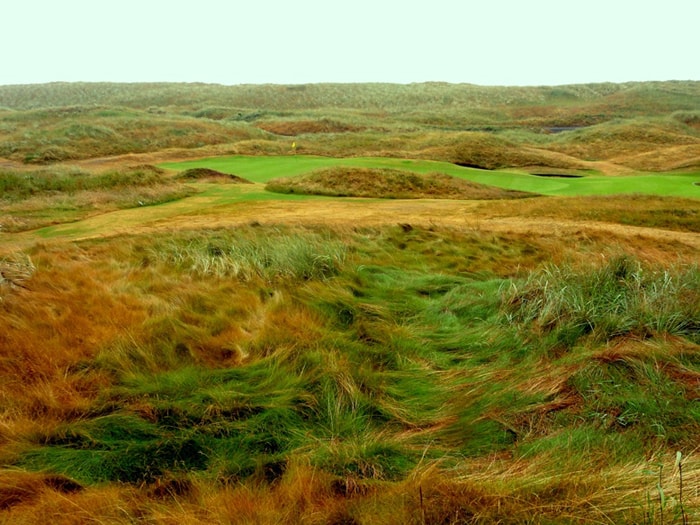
33, 199
396, 350
620, 299
417, 352
642, 126
159, 367
263, 169
242, 102
285, 256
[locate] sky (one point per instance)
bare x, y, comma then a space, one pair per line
485, 42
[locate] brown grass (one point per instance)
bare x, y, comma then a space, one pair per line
489, 151
388, 183
653, 146
495, 490
89, 300
670, 213
83, 296
210, 175
66, 311
301, 127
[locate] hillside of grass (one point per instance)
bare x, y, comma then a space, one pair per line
178, 344
629, 97
40, 197
387, 183
356, 375
609, 127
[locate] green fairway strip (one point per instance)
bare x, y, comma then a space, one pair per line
263, 169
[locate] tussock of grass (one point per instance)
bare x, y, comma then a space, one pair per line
387, 183
283, 256
621, 298
211, 175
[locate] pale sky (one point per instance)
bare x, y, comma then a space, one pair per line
486, 42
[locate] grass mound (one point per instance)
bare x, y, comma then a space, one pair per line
210, 175
342, 181
18, 185
146, 168
490, 151
641, 143
39, 197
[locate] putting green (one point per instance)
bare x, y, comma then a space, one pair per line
263, 169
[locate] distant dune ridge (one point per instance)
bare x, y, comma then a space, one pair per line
611, 128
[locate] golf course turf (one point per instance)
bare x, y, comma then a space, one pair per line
263, 169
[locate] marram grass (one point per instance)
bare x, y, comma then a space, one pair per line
395, 388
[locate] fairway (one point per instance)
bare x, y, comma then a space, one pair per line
264, 169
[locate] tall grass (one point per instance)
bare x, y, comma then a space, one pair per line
377, 96
275, 257
414, 380
620, 298
18, 185
669, 213
31, 199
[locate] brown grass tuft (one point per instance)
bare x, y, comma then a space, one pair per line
212, 176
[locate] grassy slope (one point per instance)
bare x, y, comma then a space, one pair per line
212, 364
275, 370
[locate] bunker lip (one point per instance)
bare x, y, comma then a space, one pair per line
471, 165
562, 129
558, 175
